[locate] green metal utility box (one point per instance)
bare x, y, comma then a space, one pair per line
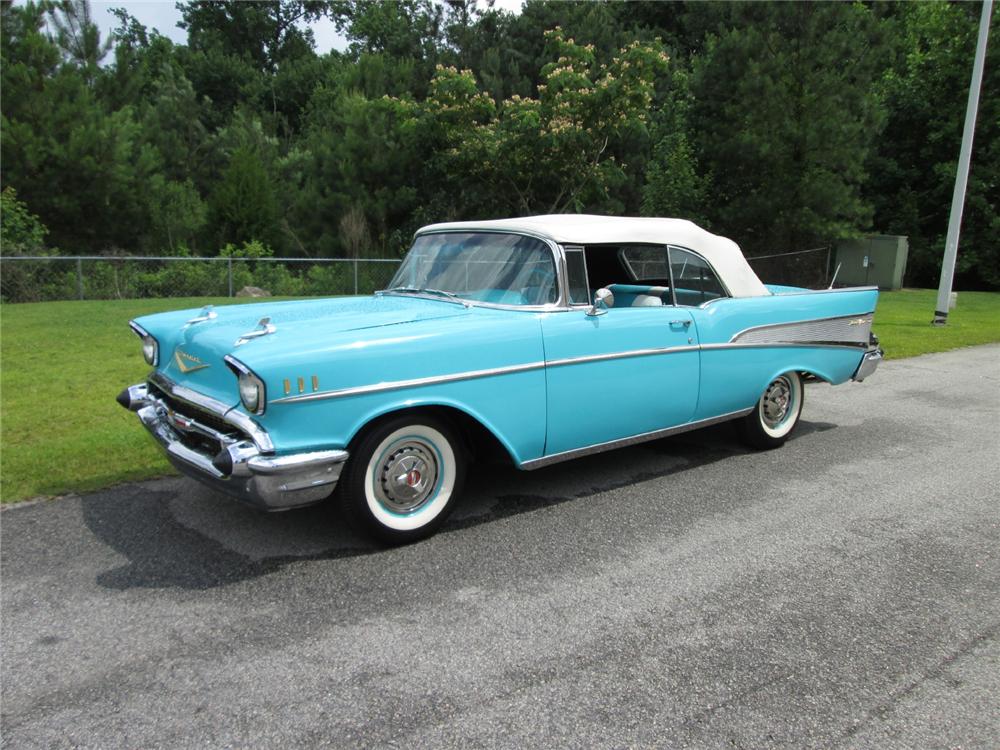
877, 260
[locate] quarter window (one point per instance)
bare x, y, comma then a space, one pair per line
694, 281
576, 276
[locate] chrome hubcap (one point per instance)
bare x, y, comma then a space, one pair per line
406, 476
777, 402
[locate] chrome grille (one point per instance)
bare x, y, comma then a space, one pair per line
190, 421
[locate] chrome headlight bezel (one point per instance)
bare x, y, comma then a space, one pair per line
252, 391
150, 346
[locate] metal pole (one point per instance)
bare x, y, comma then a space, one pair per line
355, 276
79, 278
230, 264
962, 176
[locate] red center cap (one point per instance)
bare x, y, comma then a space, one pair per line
413, 477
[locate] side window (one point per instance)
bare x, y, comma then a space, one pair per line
576, 276
694, 281
646, 262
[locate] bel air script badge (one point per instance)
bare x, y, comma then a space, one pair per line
188, 362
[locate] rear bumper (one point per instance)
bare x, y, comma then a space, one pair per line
869, 363
230, 463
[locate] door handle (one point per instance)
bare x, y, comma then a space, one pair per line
684, 323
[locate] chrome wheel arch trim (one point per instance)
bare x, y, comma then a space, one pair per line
538, 463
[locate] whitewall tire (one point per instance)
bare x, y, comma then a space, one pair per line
776, 414
402, 478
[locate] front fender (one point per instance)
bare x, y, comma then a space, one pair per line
488, 364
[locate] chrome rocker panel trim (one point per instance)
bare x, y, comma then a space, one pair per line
271, 483
538, 463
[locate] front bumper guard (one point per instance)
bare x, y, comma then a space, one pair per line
239, 469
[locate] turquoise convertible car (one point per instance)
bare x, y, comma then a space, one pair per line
541, 339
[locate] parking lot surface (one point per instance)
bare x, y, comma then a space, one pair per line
843, 591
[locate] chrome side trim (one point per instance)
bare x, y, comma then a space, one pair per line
847, 329
538, 463
621, 355
395, 385
223, 411
787, 345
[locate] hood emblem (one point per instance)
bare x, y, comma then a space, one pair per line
188, 362
264, 327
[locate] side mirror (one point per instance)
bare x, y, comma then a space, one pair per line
603, 301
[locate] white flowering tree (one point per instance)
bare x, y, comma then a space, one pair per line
553, 153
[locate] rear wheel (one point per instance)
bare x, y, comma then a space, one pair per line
402, 479
776, 414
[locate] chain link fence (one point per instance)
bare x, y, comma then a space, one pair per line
804, 268
43, 278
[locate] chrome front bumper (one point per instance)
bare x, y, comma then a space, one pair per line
238, 467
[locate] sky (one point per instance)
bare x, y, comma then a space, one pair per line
163, 16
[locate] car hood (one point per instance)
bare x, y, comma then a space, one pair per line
193, 354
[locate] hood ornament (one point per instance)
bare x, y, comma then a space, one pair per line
207, 313
264, 328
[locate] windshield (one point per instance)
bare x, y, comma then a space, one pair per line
505, 269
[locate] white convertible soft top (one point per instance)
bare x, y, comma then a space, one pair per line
584, 229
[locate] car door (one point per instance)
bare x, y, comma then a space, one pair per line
626, 372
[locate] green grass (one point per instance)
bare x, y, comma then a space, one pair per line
63, 363
61, 366
902, 322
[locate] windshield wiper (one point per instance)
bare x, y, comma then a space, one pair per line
438, 292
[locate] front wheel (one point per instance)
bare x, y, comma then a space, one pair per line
776, 414
402, 479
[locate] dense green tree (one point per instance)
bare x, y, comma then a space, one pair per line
78, 36
243, 203
21, 232
783, 125
82, 170
913, 169
551, 154
786, 117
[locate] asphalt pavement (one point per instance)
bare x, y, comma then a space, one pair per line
841, 592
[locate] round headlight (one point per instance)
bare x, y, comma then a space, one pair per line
149, 350
250, 391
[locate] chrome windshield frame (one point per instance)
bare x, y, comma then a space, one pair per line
558, 260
